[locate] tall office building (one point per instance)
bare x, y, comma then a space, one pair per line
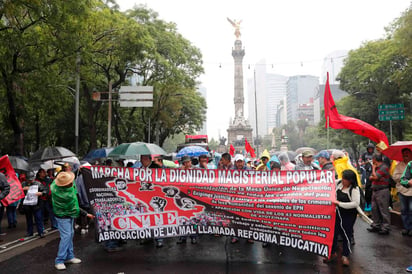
300, 90
270, 90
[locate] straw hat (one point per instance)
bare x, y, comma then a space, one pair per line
64, 178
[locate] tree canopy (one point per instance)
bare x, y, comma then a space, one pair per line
48, 45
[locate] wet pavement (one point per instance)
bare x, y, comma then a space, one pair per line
372, 253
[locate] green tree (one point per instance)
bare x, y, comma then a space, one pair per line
213, 144
35, 36
369, 76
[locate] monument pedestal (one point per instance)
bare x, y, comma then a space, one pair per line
237, 132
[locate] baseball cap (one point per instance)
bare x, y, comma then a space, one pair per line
323, 154
185, 159
307, 153
239, 157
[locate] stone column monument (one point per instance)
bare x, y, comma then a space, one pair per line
239, 127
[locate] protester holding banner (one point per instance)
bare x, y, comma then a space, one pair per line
225, 162
187, 164
66, 209
307, 162
203, 161
32, 204
347, 200
285, 162
324, 160
4, 191
264, 159
240, 165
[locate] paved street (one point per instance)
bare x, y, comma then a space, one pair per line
371, 254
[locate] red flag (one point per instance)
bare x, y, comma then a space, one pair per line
16, 191
249, 149
232, 150
329, 104
359, 127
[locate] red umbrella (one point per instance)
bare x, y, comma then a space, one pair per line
394, 151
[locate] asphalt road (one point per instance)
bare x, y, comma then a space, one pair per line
372, 253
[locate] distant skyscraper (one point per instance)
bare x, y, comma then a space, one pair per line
300, 90
270, 90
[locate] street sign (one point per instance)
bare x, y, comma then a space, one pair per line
390, 112
136, 96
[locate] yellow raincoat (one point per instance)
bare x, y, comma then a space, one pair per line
342, 164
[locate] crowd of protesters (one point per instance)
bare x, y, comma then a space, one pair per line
371, 180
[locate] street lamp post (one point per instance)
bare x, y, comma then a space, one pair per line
76, 96
77, 103
256, 118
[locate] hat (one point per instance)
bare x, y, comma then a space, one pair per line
338, 154
307, 153
323, 154
30, 176
185, 159
239, 157
64, 178
265, 154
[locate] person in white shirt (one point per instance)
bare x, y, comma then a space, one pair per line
347, 201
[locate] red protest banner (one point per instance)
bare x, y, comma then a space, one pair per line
16, 191
288, 208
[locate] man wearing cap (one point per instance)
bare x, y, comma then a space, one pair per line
307, 162
240, 162
323, 158
66, 209
186, 162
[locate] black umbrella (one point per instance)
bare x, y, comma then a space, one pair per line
50, 153
19, 164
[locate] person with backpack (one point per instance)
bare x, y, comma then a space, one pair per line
347, 201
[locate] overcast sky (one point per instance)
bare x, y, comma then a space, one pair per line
293, 37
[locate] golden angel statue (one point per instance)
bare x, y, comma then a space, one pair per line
236, 25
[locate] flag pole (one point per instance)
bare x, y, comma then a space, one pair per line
327, 133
